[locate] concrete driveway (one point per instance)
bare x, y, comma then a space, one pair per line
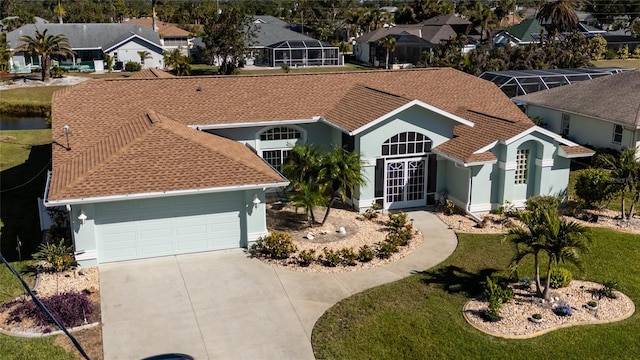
225, 305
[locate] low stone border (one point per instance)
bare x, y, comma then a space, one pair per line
466, 310
33, 334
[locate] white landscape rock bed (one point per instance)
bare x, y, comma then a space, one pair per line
515, 322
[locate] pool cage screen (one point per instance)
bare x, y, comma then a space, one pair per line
301, 53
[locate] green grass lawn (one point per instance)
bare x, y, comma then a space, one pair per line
420, 317
27, 101
628, 63
23, 174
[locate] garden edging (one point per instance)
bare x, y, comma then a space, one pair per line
31, 334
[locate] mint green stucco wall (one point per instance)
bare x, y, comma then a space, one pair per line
456, 182
582, 129
369, 142
252, 220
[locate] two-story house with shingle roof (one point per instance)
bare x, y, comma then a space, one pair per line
174, 165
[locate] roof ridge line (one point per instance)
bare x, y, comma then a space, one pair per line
492, 116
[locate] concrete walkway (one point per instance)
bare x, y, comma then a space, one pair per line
225, 305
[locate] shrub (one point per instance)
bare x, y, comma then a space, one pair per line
70, 308
132, 66
330, 258
348, 256
370, 214
449, 208
636, 53
560, 277
592, 303
563, 309
623, 52
610, 54
542, 202
386, 249
366, 254
537, 316
608, 288
593, 186
56, 257
496, 294
397, 220
306, 257
276, 245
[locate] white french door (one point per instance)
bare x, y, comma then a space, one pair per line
405, 183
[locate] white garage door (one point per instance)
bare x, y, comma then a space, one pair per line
137, 229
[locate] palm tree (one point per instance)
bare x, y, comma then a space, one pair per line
45, 45
59, 11
341, 174
109, 60
565, 241
625, 170
561, 14
389, 44
301, 168
528, 241
171, 58
144, 55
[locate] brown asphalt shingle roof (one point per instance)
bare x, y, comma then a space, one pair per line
115, 152
151, 73
152, 153
614, 98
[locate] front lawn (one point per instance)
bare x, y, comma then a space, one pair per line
626, 63
32, 101
420, 317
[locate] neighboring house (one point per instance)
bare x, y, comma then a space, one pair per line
275, 44
603, 113
620, 38
528, 32
414, 39
171, 36
91, 41
178, 165
522, 82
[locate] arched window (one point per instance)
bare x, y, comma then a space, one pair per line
280, 133
406, 143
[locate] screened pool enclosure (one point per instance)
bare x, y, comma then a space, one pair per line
301, 53
522, 82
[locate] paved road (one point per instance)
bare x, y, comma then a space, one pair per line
224, 305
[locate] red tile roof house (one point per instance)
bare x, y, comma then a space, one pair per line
165, 166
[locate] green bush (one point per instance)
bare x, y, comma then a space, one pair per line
542, 202
370, 214
348, 256
449, 208
593, 186
276, 245
132, 66
330, 258
397, 220
401, 237
386, 249
608, 287
366, 254
496, 294
610, 54
306, 257
56, 257
560, 277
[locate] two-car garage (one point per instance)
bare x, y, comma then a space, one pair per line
143, 228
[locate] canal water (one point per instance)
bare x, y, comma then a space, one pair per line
8, 122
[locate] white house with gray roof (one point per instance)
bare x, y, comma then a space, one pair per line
90, 42
603, 113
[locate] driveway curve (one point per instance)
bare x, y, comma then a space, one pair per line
225, 305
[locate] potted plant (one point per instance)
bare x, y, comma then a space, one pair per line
591, 305
536, 318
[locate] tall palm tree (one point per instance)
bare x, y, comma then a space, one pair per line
144, 55
45, 45
389, 44
59, 11
561, 14
341, 173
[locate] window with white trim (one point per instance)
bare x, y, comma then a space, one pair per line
276, 158
522, 162
617, 134
406, 143
566, 123
280, 133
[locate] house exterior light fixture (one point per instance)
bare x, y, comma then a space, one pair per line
82, 217
256, 201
